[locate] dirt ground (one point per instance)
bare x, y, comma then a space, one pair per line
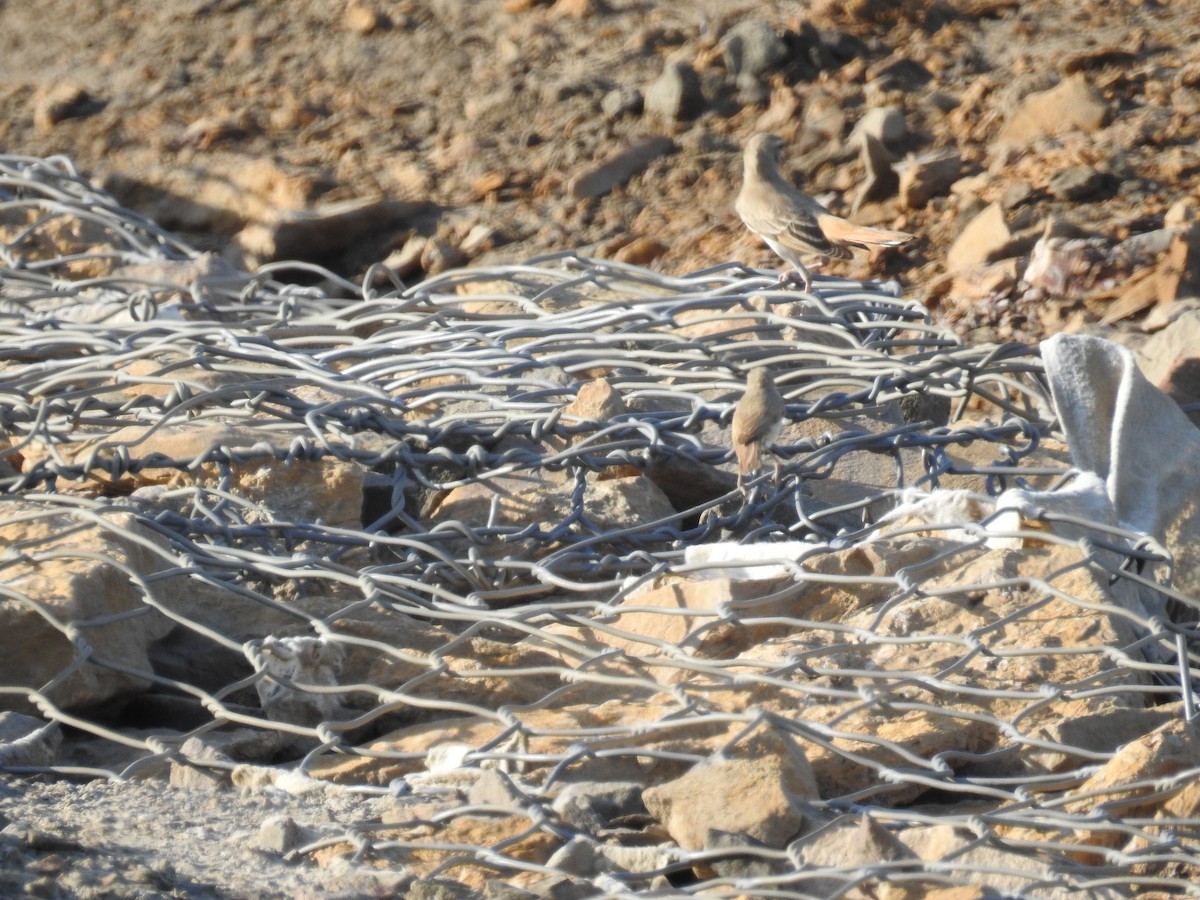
213, 116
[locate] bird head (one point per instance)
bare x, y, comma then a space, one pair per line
765, 144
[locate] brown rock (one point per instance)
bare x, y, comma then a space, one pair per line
980, 241
578, 9
1171, 361
320, 232
74, 572
1173, 748
363, 19
641, 251
927, 177
618, 168
847, 844
61, 102
598, 401
758, 789
1072, 105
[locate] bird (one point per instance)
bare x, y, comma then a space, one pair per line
757, 420
791, 222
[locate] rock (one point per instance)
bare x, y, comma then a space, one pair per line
277, 834
327, 490
479, 239
1072, 105
495, 788
323, 232
1016, 195
28, 741
757, 789
898, 72
928, 176
440, 889
991, 868
1079, 738
1181, 213
618, 168
1155, 757
586, 858
1076, 183
596, 401
980, 241
752, 49
511, 502
61, 102
620, 102
74, 571
676, 94
641, 251
592, 806
1175, 277
1171, 361
881, 181
578, 9
849, 844
884, 123
439, 255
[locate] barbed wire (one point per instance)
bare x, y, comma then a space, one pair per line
296, 446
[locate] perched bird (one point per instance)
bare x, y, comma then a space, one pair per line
793, 223
757, 419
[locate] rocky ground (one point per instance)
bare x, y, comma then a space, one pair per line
1044, 154
482, 132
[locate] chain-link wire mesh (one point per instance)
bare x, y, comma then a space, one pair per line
272, 526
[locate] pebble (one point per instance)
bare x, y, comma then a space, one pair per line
1076, 183
885, 123
752, 49
625, 101
676, 93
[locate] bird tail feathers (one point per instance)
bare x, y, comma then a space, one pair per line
838, 229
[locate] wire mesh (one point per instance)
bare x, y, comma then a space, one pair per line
374, 525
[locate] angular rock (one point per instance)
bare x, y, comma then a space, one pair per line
63, 101
278, 834
622, 102
676, 93
597, 401
28, 741
618, 168
980, 241
592, 806
511, 502
324, 231
1171, 361
76, 571
1170, 749
1072, 105
849, 844
1076, 183
758, 789
928, 176
752, 49
884, 123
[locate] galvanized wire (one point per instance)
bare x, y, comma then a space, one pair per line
112, 333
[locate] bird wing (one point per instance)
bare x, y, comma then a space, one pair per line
839, 230
753, 424
788, 217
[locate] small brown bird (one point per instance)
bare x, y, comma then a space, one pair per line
757, 420
793, 223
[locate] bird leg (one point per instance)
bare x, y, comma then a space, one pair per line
802, 274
